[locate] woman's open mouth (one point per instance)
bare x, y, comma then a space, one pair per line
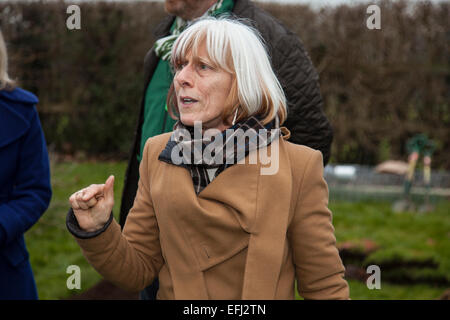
186, 101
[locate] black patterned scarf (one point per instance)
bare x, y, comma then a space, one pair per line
214, 149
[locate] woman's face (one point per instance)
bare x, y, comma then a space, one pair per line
201, 91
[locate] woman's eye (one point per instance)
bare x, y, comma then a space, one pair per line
180, 66
204, 66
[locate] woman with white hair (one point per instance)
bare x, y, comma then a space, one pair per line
25, 189
226, 207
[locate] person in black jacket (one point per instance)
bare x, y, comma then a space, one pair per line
294, 69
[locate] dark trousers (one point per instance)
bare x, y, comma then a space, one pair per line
150, 292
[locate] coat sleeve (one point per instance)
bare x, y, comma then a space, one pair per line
131, 259
31, 194
319, 269
306, 119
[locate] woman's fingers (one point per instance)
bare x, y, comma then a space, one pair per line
92, 205
86, 202
93, 191
91, 202
73, 201
86, 198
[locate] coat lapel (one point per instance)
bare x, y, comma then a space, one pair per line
268, 238
12, 124
213, 226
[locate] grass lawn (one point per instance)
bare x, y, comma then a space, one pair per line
413, 248
52, 248
402, 239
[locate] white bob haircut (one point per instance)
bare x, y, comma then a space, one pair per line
239, 50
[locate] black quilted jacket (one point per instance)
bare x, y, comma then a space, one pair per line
292, 65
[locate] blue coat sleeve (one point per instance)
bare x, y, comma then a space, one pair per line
31, 193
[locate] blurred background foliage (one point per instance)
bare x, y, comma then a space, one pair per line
380, 87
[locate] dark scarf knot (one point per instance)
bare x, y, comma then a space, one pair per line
196, 151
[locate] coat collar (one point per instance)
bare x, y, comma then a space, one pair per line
19, 95
242, 6
163, 28
13, 122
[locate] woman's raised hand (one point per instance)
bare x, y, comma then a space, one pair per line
92, 206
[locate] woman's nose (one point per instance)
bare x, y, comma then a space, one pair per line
184, 77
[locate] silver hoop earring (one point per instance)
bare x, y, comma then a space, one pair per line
235, 115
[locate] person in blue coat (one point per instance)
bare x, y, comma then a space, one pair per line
25, 189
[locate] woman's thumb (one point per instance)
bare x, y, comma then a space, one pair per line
108, 190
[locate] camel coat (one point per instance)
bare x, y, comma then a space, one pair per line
247, 235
